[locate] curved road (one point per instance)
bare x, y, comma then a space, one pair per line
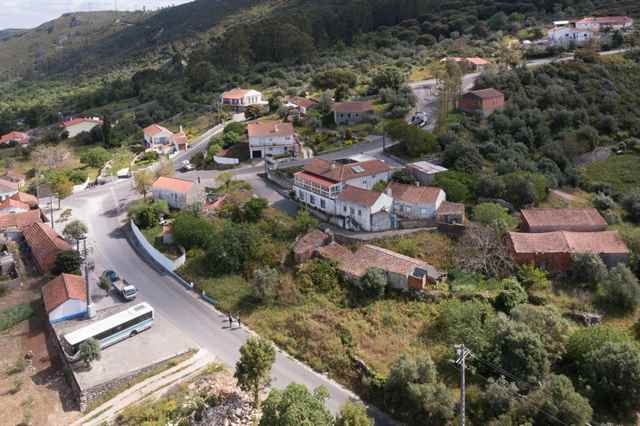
98, 208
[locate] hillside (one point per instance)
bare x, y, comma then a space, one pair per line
80, 42
24, 51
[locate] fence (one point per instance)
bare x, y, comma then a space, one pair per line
161, 259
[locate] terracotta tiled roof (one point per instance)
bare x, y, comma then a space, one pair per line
236, 93
45, 245
173, 184
180, 139
323, 182
607, 20
62, 288
156, 129
361, 197
413, 194
369, 256
449, 208
478, 61
311, 241
11, 203
343, 172
568, 242
75, 121
353, 106
302, 102
19, 220
261, 129
26, 198
487, 93
564, 219
19, 137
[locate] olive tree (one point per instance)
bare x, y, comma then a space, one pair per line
253, 369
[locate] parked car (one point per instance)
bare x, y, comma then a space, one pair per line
187, 166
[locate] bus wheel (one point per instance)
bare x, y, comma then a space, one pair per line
133, 333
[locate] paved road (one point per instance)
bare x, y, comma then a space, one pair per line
426, 94
198, 320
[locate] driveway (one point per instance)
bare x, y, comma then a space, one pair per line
100, 210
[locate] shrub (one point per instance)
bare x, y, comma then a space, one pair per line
493, 214
373, 284
603, 202
295, 405
14, 315
587, 268
95, 157
512, 296
67, 262
631, 204
333, 78
265, 284
191, 232
471, 322
548, 323
620, 289
533, 278
318, 274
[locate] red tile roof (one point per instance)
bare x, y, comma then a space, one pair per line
370, 256
311, 241
449, 208
607, 242
413, 194
11, 203
180, 139
302, 102
478, 61
353, 106
487, 94
261, 129
236, 93
45, 245
547, 220
62, 288
319, 180
19, 220
361, 197
173, 184
75, 121
607, 20
19, 137
26, 198
8, 186
343, 172
156, 129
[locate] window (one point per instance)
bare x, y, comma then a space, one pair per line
312, 200
424, 212
359, 212
352, 210
322, 204
344, 209
301, 195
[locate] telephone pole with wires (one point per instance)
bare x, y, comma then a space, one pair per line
462, 352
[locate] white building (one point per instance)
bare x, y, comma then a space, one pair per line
363, 210
424, 171
271, 138
564, 36
178, 193
78, 125
163, 140
7, 189
415, 202
604, 23
240, 99
65, 298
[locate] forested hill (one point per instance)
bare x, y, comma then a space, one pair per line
237, 32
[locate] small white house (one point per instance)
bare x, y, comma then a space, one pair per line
239, 99
563, 36
271, 138
65, 298
415, 202
158, 138
78, 125
178, 193
363, 209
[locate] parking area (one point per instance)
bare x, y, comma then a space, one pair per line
161, 342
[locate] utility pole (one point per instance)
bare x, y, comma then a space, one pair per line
462, 352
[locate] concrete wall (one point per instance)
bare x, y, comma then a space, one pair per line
72, 308
151, 251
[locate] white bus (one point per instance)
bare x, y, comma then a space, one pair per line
113, 329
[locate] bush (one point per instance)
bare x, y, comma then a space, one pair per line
523, 188
533, 278
548, 323
631, 204
68, 262
494, 215
14, 315
512, 296
333, 78
265, 284
373, 284
603, 202
95, 157
456, 185
587, 268
191, 232
471, 322
620, 289
318, 274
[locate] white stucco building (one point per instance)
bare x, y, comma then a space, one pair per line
363, 210
604, 23
564, 36
415, 202
65, 298
78, 125
178, 193
271, 138
239, 99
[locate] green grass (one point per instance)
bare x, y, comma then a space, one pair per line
233, 293
619, 171
14, 315
121, 160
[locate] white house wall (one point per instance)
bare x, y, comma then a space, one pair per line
76, 129
72, 308
368, 182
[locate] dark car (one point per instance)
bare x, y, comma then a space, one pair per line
111, 275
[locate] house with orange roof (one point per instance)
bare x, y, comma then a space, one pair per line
65, 298
321, 181
360, 209
552, 251
12, 224
15, 138
26, 198
484, 101
163, 140
352, 112
11, 205
402, 272
75, 126
45, 245
415, 202
271, 138
568, 219
239, 99
604, 23
178, 193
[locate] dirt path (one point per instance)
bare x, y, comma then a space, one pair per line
566, 196
153, 387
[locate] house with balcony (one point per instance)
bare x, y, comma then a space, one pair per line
239, 99
271, 139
